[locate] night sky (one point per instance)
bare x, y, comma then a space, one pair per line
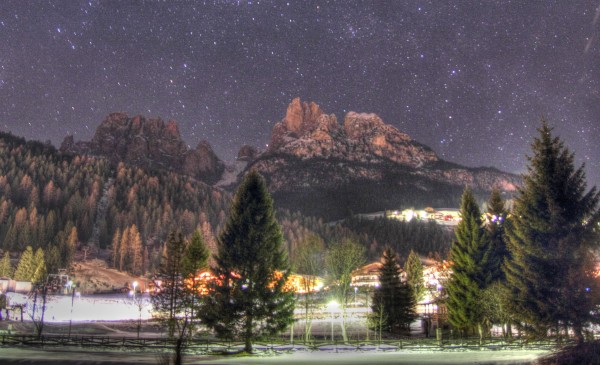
470, 79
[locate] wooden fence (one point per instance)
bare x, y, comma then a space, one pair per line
215, 346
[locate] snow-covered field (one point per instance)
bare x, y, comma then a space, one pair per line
61, 308
37, 356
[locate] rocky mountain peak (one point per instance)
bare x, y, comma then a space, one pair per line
357, 125
326, 169
149, 143
301, 117
172, 130
247, 153
307, 132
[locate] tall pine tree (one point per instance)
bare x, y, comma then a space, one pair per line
6, 269
469, 255
250, 297
393, 298
496, 214
26, 266
40, 273
414, 275
170, 300
552, 242
194, 260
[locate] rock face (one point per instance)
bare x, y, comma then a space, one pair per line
149, 143
322, 168
247, 153
307, 132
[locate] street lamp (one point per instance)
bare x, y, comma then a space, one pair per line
139, 303
71, 287
332, 306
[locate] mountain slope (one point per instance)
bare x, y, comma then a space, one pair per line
317, 166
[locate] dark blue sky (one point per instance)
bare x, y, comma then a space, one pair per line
470, 79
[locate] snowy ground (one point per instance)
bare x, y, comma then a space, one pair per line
53, 356
63, 308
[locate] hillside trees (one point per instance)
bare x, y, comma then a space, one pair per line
552, 240
470, 254
127, 251
44, 194
425, 238
250, 298
31, 266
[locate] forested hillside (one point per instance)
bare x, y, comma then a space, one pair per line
46, 196
61, 202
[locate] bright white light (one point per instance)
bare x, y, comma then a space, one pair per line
333, 305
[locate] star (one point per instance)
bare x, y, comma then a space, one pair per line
227, 70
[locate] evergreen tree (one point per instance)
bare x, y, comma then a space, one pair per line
6, 269
469, 254
393, 297
194, 260
135, 251
72, 241
196, 255
414, 275
116, 248
170, 302
40, 273
26, 267
551, 239
124, 258
250, 298
53, 261
496, 215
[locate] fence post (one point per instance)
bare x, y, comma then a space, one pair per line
439, 336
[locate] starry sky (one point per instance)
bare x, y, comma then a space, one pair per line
471, 79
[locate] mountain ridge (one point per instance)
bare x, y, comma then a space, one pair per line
148, 143
311, 157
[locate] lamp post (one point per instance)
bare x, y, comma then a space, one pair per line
332, 306
71, 286
138, 302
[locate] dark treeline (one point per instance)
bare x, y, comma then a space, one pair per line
425, 238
